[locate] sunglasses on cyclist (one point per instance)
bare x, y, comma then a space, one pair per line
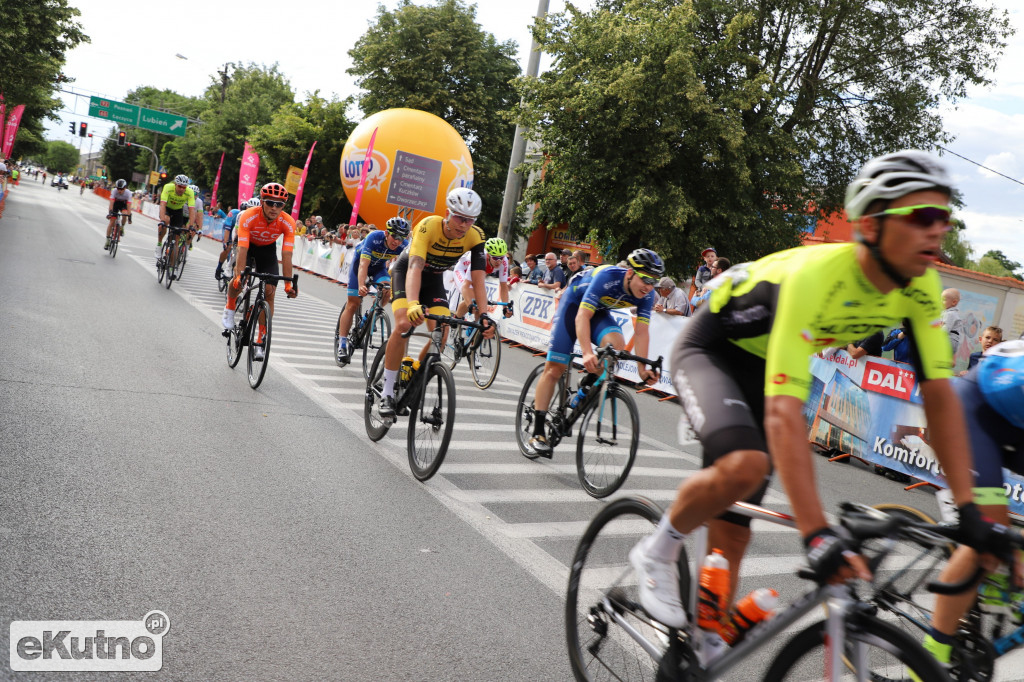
273, 204
647, 279
923, 215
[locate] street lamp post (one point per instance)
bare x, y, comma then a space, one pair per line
156, 159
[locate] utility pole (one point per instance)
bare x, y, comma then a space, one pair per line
224, 81
513, 181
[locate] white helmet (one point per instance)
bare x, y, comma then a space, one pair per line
464, 201
181, 179
893, 176
251, 203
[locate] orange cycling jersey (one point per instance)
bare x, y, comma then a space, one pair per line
253, 227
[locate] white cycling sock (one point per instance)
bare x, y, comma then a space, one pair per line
390, 375
667, 541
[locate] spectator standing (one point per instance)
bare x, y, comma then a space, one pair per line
899, 344
718, 266
515, 276
670, 299
575, 267
563, 262
554, 278
536, 273
952, 322
704, 273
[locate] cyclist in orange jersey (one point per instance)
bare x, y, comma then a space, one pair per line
258, 229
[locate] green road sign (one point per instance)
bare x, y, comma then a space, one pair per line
130, 114
160, 122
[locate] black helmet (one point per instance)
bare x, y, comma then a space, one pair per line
398, 228
646, 262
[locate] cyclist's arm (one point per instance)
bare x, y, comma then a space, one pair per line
479, 291
413, 277
503, 291
364, 270
786, 431
947, 434
286, 263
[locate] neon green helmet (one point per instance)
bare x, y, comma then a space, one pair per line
496, 247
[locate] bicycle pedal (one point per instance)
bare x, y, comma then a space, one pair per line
402, 412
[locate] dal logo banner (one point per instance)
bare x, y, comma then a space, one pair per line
888, 380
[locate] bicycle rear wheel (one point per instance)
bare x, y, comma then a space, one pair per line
431, 422
236, 335
376, 425
375, 337
874, 650
258, 366
452, 352
337, 336
602, 582
485, 358
609, 436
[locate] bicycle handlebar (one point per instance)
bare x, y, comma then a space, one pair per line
611, 351
269, 278
449, 320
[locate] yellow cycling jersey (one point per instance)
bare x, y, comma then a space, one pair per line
792, 304
176, 201
439, 252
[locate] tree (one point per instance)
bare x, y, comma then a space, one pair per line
677, 123
61, 157
286, 141
438, 59
995, 256
955, 245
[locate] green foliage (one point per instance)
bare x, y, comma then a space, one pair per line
956, 246
286, 141
120, 162
438, 59
253, 96
61, 157
992, 266
676, 123
997, 257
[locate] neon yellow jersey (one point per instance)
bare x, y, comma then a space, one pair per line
175, 200
792, 304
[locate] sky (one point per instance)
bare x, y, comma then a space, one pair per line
310, 40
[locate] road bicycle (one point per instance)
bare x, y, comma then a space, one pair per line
172, 256
610, 421
227, 269
992, 627
483, 354
252, 323
425, 392
610, 636
370, 330
116, 233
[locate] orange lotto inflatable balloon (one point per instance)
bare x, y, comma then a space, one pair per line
417, 159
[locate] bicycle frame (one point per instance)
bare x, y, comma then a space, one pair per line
415, 388
382, 289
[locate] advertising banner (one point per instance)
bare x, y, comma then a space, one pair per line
216, 183
302, 183
291, 179
11, 129
871, 408
247, 175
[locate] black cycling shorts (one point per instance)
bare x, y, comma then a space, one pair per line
433, 296
995, 442
263, 258
721, 389
176, 217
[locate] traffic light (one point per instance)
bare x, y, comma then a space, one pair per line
83, 129
90, 134
71, 127
120, 138
163, 178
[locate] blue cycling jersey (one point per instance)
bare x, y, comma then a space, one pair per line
229, 222
375, 248
604, 289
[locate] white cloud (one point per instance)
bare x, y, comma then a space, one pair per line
986, 231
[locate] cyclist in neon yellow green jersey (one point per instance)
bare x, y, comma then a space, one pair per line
742, 372
173, 199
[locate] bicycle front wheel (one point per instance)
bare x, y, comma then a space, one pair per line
485, 358
161, 265
115, 238
257, 341
525, 413
182, 257
431, 422
378, 329
171, 269
874, 650
602, 582
609, 435
236, 335
376, 425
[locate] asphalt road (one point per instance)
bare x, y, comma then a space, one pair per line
139, 472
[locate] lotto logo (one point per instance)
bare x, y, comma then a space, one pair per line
89, 645
899, 383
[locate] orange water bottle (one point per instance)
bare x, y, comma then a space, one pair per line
757, 606
714, 586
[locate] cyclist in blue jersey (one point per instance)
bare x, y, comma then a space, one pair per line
583, 315
375, 253
229, 226
992, 395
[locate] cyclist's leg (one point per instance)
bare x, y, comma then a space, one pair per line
351, 306
395, 349
989, 434
563, 338
435, 300
467, 298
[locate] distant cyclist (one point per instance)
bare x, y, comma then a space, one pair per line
119, 198
376, 253
584, 316
229, 226
174, 198
258, 231
496, 260
197, 214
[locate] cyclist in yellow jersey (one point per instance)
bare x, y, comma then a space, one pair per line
417, 277
173, 200
741, 369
